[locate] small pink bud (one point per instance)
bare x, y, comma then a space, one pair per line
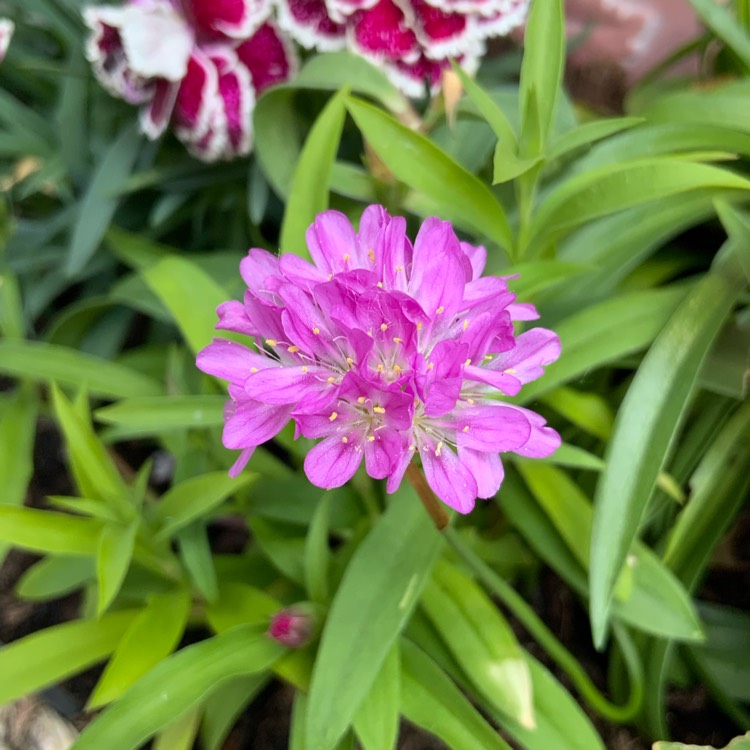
295, 626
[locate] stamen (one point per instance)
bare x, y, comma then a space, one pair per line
316, 330
293, 349
510, 371
344, 439
431, 366
333, 416
380, 368
397, 340
412, 447
361, 400
398, 268
469, 400
440, 310
465, 429
384, 326
378, 409
346, 257
468, 362
439, 448
253, 369
380, 284
349, 361
331, 380
397, 369
272, 342
419, 325
304, 368
371, 438
466, 324
371, 255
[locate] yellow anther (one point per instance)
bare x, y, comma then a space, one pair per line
380, 284
488, 357
346, 257
397, 369
466, 324
371, 438
439, 448
333, 416
304, 368
272, 342
419, 325
384, 326
378, 409
349, 361
510, 371
469, 400
465, 429
331, 380
380, 368
468, 362
440, 310
398, 268
397, 340
361, 400
412, 447
371, 255
293, 349
344, 439
330, 276
431, 366
316, 330
253, 369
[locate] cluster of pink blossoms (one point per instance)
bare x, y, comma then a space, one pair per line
195, 64
384, 350
411, 40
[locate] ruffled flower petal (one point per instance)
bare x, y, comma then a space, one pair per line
383, 33
154, 117
308, 22
269, 56
233, 18
442, 34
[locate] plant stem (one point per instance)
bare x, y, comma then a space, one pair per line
562, 657
431, 503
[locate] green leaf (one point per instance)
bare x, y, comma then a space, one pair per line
17, 431
225, 704
541, 73
100, 202
50, 655
47, 363
240, 604
195, 498
379, 589
456, 193
725, 26
12, 322
151, 636
48, 532
309, 194
589, 411
196, 556
588, 133
646, 424
180, 734
190, 295
177, 684
53, 577
155, 414
377, 719
537, 276
738, 743
737, 225
115, 550
481, 641
318, 553
431, 700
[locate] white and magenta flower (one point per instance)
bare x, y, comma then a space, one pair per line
412, 40
383, 350
197, 64
7, 27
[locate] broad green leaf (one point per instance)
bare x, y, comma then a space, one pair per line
431, 700
377, 719
575, 458
181, 733
225, 704
53, 577
47, 363
481, 641
725, 26
17, 431
12, 322
588, 133
413, 159
318, 553
589, 411
177, 684
738, 743
99, 203
48, 532
646, 424
195, 553
309, 193
50, 655
113, 557
613, 188
283, 545
151, 636
153, 415
587, 340
737, 226
541, 73
136, 250
196, 497
240, 604
379, 589
190, 295
536, 276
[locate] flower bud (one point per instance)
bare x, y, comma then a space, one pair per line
296, 626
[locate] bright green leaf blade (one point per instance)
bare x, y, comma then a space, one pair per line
318, 553
537, 276
195, 553
590, 132
45, 657
725, 26
12, 324
190, 295
150, 637
100, 202
113, 557
377, 719
240, 604
309, 194
152, 415
195, 497
53, 577
432, 701
738, 743
181, 733
377, 594
589, 411
177, 684
17, 431
737, 225
646, 424
457, 194
48, 532
47, 363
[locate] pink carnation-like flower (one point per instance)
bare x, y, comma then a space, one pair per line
383, 350
7, 27
412, 40
198, 64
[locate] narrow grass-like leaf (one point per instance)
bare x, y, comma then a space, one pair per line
738, 743
318, 553
99, 203
195, 553
152, 415
646, 424
177, 684
150, 637
589, 411
240, 604
590, 132
431, 700
377, 594
116, 544
309, 193
12, 322
725, 26
224, 705
414, 160
43, 658
48, 532
17, 429
376, 721
53, 577
48, 363
195, 497
181, 733
277, 137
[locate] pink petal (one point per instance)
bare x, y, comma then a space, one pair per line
477, 255
341, 10
331, 242
543, 441
251, 423
241, 462
383, 453
383, 33
229, 361
449, 479
332, 462
494, 428
154, 116
6, 32
487, 469
285, 385
307, 21
269, 56
233, 18
196, 98
415, 78
238, 99
233, 317
442, 34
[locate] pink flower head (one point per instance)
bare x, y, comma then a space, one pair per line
197, 64
383, 349
412, 40
296, 626
7, 27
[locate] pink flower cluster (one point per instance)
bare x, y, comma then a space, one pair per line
195, 64
383, 349
412, 40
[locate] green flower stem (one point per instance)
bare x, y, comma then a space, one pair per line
562, 657
433, 506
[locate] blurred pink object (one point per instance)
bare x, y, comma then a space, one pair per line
6, 32
635, 35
